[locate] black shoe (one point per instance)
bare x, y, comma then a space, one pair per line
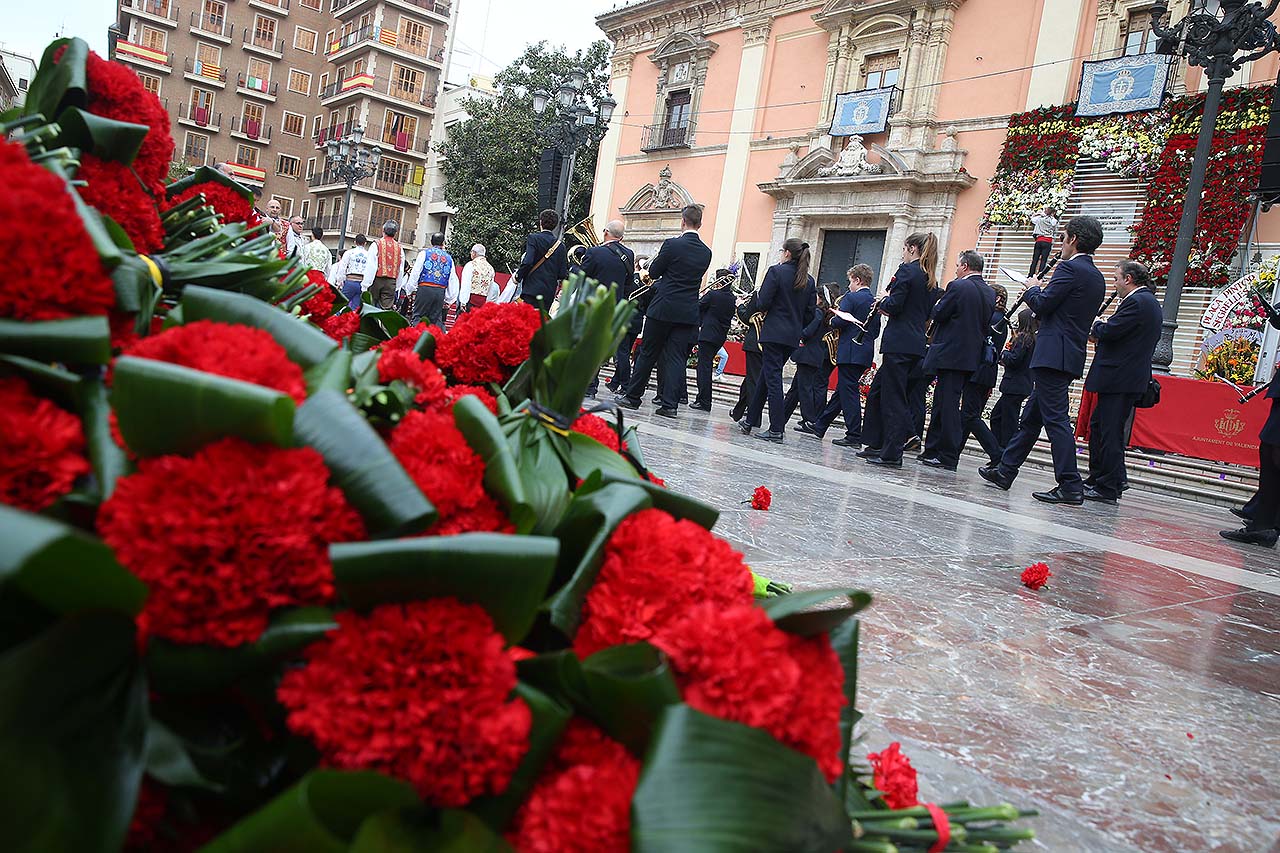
886, 463
805, 426
935, 462
656, 400
665, 413
869, 453
992, 475
743, 425
768, 435
702, 407
735, 415
845, 441
1057, 496
623, 402
913, 443
1265, 538
1098, 497
1239, 513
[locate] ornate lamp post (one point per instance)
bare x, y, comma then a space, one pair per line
578, 124
1213, 43
352, 160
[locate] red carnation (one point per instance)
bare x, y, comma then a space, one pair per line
450, 474
228, 203
341, 326
1036, 575
237, 352
408, 367
488, 343
894, 777
761, 498
115, 92
320, 304
587, 767
56, 273
227, 536
454, 393
599, 429
420, 691
653, 478
734, 663
655, 568
43, 449
407, 338
114, 190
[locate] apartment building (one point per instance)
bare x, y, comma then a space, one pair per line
19, 71
262, 84
451, 111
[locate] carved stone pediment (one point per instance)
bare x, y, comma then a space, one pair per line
837, 12
664, 195
682, 45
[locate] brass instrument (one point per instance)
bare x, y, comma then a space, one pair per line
832, 340
585, 233
757, 322
717, 284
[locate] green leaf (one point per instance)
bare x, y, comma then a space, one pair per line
305, 344
65, 81
62, 568
363, 466
169, 762
415, 830
583, 455
177, 668
713, 786
627, 689
320, 814
541, 472
108, 459
333, 374
382, 325
73, 718
793, 613
425, 346
844, 640
502, 477
105, 138
583, 532
506, 575
673, 503
164, 408
56, 383
79, 340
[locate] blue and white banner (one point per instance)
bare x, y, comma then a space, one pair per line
860, 113
1126, 84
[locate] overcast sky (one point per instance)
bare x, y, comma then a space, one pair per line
38, 24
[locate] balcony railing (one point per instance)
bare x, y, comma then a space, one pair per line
328, 222
257, 85
149, 56
281, 6
201, 116
401, 141
385, 38
212, 25
250, 129
162, 9
210, 72
401, 188
354, 37
437, 8
659, 136
253, 41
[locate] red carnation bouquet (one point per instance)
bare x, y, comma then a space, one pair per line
489, 343
43, 452
761, 498
229, 203
894, 777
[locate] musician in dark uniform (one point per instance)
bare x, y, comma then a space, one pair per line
852, 359
751, 352
545, 263
671, 323
1015, 384
623, 357
1262, 526
613, 265
813, 370
888, 421
1067, 307
961, 322
789, 298
715, 309
1119, 375
978, 389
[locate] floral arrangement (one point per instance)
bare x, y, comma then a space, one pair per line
1130, 143
1016, 197
1230, 355
271, 586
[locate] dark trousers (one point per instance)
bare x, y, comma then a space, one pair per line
429, 305
622, 363
917, 400
665, 346
946, 435
972, 402
1106, 442
1267, 509
1040, 256
1048, 408
889, 421
846, 401
748, 386
1004, 417
808, 392
769, 387
383, 292
706, 366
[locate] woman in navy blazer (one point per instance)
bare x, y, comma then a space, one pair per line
789, 298
1015, 386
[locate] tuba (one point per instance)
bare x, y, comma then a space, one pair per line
832, 340
585, 233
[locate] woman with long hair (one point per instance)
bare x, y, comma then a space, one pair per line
1015, 387
911, 295
789, 298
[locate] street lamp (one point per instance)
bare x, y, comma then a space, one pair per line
352, 160
577, 123
1213, 44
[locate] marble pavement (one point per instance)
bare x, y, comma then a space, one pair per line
1135, 701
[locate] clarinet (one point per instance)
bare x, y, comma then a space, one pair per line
1244, 398
1022, 297
1107, 304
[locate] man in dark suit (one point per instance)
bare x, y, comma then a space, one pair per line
977, 391
672, 319
1119, 375
613, 265
623, 357
715, 310
1262, 521
751, 353
1066, 309
961, 320
545, 263
852, 359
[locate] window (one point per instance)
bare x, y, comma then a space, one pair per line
247, 155
380, 214
195, 149
882, 70
286, 205
299, 81
315, 127
252, 120
201, 106
322, 207
399, 130
678, 107
415, 37
311, 168
357, 67
324, 81
304, 208
1139, 38
264, 32
288, 166
259, 74
304, 39
366, 21
405, 82
215, 14
208, 54
393, 172
153, 38
150, 83
329, 38
311, 4
293, 124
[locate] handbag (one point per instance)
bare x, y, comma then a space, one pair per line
1151, 396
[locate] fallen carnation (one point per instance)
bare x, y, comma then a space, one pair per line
894, 777
1036, 575
761, 498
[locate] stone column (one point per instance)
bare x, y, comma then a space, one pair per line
734, 177
607, 162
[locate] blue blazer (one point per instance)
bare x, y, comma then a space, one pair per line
857, 303
788, 310
1066, 308
813, 351
545, 280
997, 334
677, 272
1017, 368
1126, 342
907, 305
961, 322
611, 264
715, 309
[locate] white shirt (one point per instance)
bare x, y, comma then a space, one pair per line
351, 265
292, 241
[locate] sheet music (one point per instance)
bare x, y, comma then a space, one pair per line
1018, 277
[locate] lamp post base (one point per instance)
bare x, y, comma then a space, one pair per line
1162, 358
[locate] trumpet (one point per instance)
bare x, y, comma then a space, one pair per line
646, 284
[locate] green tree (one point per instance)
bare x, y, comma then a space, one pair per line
491, 159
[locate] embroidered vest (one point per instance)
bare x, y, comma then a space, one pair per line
390, 258
436, 267
481, 277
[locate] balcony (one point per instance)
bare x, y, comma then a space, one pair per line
246, 172
256, 87
336, 131
330, 222
401, 190
384, 39
204, 73
278, 7
161, 12
657, 137
250, 130
381, 88
431, 7
210, 27
270, 48
202, 118
351, 39
144, 57
402, 142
